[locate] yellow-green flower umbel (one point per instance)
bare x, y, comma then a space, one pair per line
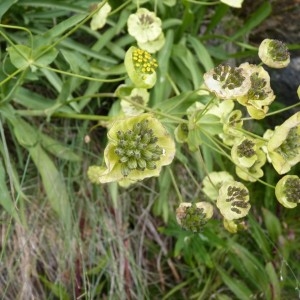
140, 67
138, 147
287, 191
228, 82
274, 53
283, 148
144, 26
233, 200
260, 95
193, 216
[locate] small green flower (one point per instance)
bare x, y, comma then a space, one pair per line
274, 53
260, 95
138, 147
212, 183
99, 19
233, 3
181, 133
232, 123
254, 172
144, 26
244, 152
233, 200
193, 216
233, 226
228, 82
287, 191
153, 46
141, 66
137, 95
283, 148
94, 172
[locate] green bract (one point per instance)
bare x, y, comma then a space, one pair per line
193, 216
260, 95
212, 183
233, 200
228, 82
138, 147
287, 191
274, 53
99, 19
144, 26
153, 46
140, 67
283, 148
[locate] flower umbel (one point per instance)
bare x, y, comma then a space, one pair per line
283, 148
193, 216
227, 82
274, 53
287, 191
138, 147
233, 200
144, 26
141, 66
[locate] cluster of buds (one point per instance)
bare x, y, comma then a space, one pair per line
288, 191
193, 216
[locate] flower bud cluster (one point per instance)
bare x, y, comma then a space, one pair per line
193, 216
143, 61
137, 148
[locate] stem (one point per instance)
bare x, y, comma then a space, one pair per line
282, 110
175, 185
156, 112
11, 76
80, 76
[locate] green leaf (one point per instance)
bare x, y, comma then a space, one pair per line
255, 19
76, 61
5, 199
201, 53
20, 56
241, 291
42, 58
58, 149
273, 225
274, 290
5, 5
53, 183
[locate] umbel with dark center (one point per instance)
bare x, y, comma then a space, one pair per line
231, 78
137, 148
237, 198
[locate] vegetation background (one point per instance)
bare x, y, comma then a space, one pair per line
65, 238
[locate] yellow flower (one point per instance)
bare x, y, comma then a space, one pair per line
138, 147
274, 53
140, 67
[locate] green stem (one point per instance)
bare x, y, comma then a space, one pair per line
179, 120
175, 185
246, 132
80, 76
11, 76
204, 3
282, 110
98, 95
